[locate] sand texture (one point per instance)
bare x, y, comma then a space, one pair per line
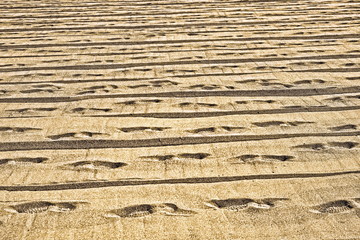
180, 119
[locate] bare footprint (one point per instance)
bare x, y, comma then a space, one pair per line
31, 110
281, 123
181, 156
43, 206
343, 127
201, 130
84, 110
348, 145
18, 129
238, 204
148, 209
314, 146
76, 135
338, 206
92, 165
252, 158
142, 129
22, 161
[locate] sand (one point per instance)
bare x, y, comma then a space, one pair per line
179, 119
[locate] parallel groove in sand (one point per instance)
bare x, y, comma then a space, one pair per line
116, 113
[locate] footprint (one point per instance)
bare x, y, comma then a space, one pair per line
47, 86
207, 104
281, 123
200, 130
215, 129
18, 129
339, 206
151, 101
238, 204
230, 128
148, 209
190, 104
265, 82
181, 156
22, 161
348, 145
322, 146
255, 81
141, 129
89, 165
160, 83
269, 123
3, 92
309, 82
76, 135
146, 101
276, 84
28, 110
353, 97
255, 101
43, 206
31, 207
160, 157
344, 127
194, 155
314, 146
139, 86
97, 89
248, 158
83, 110
36, 90
85, 92
281, 158
205, 87
127, 103
102, 87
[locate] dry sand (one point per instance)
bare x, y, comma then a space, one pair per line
179, 119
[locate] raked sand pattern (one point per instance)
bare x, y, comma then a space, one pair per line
179, 119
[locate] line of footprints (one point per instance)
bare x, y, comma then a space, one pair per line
171, 209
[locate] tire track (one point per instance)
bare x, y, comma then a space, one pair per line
232, 93
156, 142
228, 113
203, 180
4, 30
162, 42
177, 63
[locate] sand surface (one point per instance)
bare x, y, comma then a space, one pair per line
162, 119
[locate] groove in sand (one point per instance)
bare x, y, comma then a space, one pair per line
229, 113
102, 184
156, 142
176, 63
232, 93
